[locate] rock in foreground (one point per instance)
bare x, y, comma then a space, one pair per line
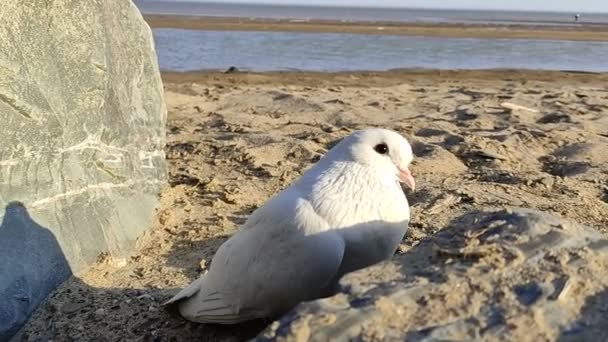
492, 276
81, 142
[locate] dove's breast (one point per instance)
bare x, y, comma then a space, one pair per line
375, 237
354, 194
371, 213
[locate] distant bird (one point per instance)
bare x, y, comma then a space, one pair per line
232, 70
345, 213
577, 17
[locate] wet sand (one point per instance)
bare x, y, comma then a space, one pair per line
583, 32
481, 138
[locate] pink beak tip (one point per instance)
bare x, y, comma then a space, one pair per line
405, 176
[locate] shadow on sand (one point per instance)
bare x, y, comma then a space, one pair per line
36, 282
32, 264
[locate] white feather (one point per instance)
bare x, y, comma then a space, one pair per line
345, 213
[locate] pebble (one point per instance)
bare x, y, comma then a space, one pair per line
203, 264
548, 182
145, 296
71, 307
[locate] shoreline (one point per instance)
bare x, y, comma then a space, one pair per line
584, 32
379, 78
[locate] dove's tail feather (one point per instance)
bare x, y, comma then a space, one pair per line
211, 307
202, 305
187, 292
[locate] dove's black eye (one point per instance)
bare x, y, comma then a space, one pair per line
381, 148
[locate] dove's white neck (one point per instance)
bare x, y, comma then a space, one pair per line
346, 194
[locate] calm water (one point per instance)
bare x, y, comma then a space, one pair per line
361, 14
187, 50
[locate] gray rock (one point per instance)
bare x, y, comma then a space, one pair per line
81, 142
492, 275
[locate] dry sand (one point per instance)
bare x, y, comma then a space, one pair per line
589, 32
236, 139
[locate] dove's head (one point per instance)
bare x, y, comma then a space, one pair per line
383, 150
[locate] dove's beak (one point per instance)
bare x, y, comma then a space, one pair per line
405, 176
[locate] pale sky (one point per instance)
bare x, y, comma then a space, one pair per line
521, 5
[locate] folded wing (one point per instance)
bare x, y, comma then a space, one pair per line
284, 254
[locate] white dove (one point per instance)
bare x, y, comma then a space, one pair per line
345, 213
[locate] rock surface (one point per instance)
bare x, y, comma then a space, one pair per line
493, 275
81, 144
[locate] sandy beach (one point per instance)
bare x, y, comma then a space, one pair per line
583, 32
481, 138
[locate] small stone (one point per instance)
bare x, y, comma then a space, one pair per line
71, 307
488, 155
137, 272
548, 182
320, 140
118, 262
230, 199
145, 296
329, 129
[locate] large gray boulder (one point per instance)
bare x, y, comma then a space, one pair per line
82, 122
493, 275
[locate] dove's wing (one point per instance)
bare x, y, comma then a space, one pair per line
270, 265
